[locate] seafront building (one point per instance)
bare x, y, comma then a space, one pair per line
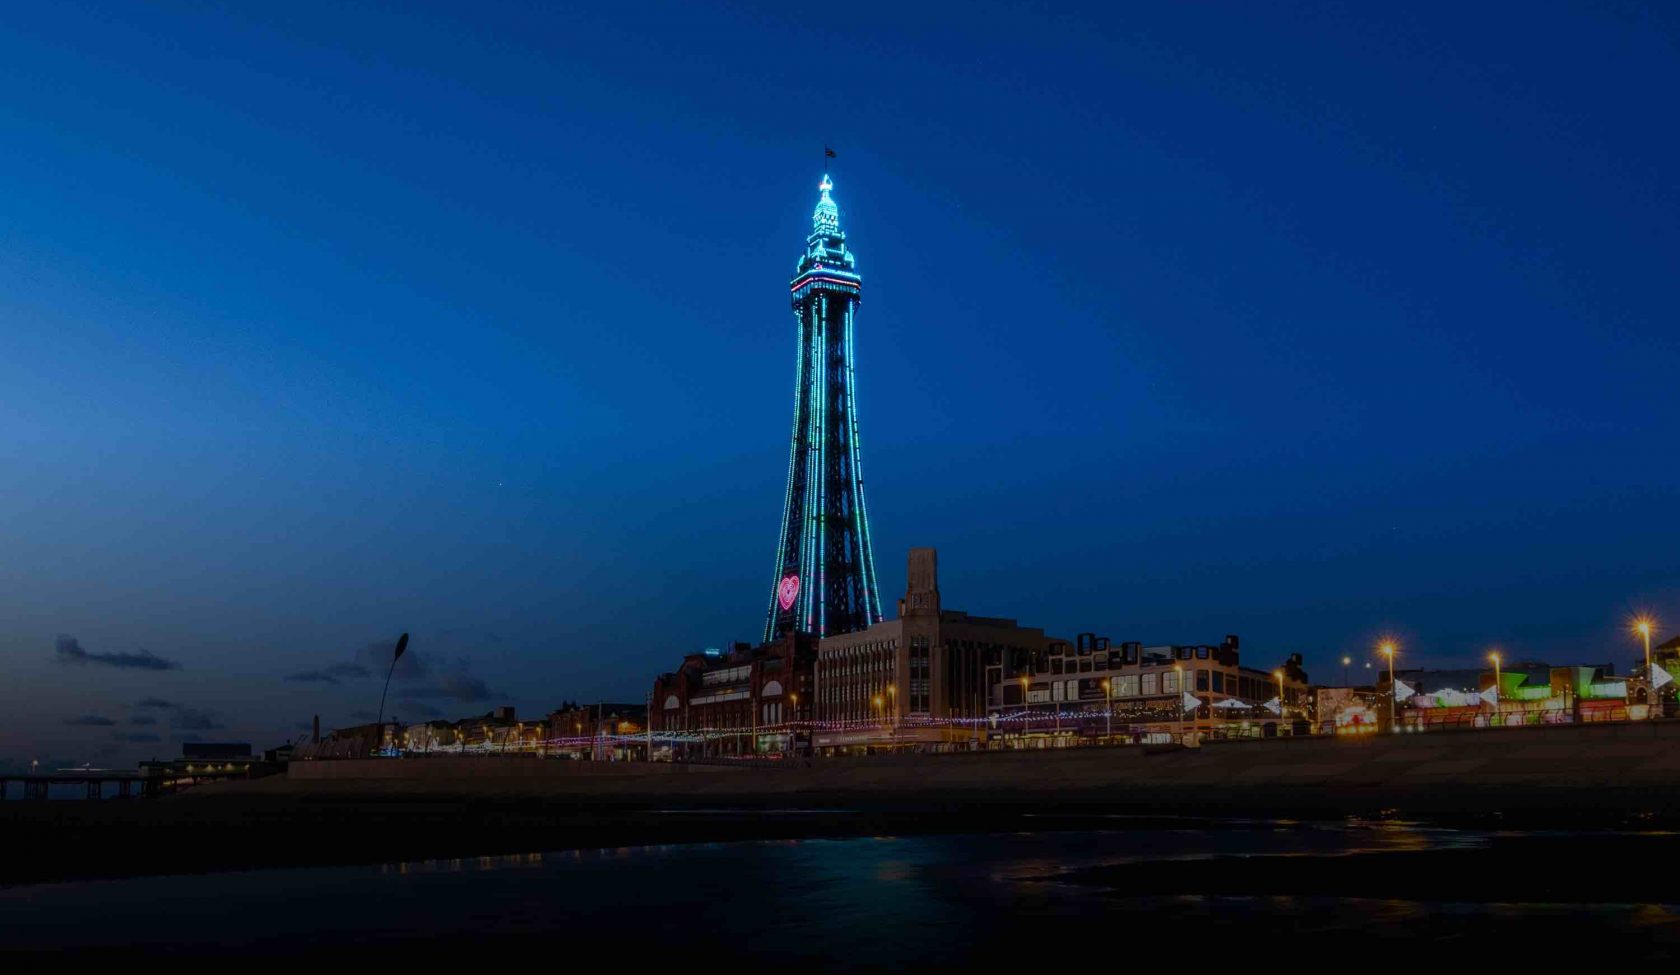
741, 700
937, 679
1093, 686
925, 678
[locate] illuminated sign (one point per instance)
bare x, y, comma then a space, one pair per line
787, 591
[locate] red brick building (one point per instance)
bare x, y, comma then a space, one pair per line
742, 701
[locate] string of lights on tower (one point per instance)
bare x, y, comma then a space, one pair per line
825, 567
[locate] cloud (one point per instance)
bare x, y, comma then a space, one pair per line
193, 719
135, 736
376, 657
457, 686
180, 716
332, 674
90, 721
68, 650
419, 709
313, 677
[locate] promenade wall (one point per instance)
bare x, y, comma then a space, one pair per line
1633, 765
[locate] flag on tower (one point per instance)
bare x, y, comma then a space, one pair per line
828, 153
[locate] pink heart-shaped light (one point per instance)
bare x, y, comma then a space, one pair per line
787, 591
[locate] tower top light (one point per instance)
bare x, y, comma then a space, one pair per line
825, 219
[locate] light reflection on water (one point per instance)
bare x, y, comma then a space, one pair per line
935, 901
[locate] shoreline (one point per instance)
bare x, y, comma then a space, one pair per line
356, 812
71, 840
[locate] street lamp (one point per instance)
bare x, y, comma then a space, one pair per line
1387, 650
1026, 707
892, 698
1179, 670
1278, 674
1108, 702
1346, 661
1643, 626
1498, 688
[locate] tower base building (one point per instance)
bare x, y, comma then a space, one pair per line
921, 680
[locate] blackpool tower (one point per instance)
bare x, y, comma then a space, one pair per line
825, 566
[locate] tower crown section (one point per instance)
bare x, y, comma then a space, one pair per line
826, 264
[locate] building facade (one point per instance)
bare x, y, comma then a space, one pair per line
1518, 693
824, 581
919, 679
1092, 686
746, 700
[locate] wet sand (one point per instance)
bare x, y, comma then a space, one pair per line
343, 813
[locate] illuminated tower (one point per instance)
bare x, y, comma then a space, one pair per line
825, 566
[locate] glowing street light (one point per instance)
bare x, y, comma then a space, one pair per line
1387, 649
1279, 675
1346, 662
1498, 688
1108, 701
1643, 626
1179, 670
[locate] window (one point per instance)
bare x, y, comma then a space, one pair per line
1201, 680
1149, 685
1127, 687
1201, 653
1169, 682
1218, 682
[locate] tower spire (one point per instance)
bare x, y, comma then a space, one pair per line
825, 219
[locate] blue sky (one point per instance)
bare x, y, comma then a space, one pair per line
319, 323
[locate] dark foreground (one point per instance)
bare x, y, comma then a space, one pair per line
1235, 895
82, 840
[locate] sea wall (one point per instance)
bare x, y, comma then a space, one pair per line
1636, 765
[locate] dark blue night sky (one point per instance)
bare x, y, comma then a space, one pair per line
319, 324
